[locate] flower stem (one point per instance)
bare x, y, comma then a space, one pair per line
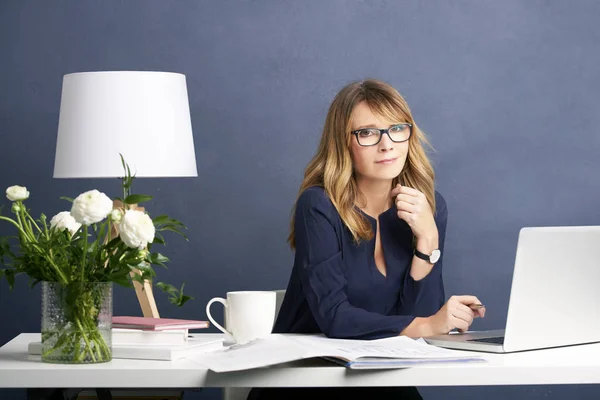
85, 247
12, 221
25, 221
23, 229
58, 270
85, 339
32, 221
46, 231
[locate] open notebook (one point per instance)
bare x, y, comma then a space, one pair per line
394, 352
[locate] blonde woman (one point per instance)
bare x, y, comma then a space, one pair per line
368, 231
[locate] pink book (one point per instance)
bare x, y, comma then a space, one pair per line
156, 324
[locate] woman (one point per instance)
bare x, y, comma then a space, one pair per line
368, 231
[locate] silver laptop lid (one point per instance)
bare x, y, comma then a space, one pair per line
554, 299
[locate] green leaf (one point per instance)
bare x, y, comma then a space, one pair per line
161, 219
66, 198
169, 228
176, 224
167, 221
3, 249
159, 239
142, 278
10, 277
114, 242
168, 288
144, 267
123, 162
122, 281
128, 173
182, 300
176, 295
137, 278
157, 258
137, 198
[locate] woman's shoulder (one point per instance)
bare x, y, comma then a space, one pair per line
441, 208
315, 198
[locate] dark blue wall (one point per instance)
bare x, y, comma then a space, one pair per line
506, 90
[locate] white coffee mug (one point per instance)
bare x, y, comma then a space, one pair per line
249, 315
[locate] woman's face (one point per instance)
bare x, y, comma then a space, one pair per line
382, 161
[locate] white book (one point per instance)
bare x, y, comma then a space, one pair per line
136, 336
196, 344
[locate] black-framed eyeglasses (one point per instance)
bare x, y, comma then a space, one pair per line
371, 136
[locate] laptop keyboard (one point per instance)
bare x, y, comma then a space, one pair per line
495, 340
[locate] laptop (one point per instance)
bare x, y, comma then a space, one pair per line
554, 297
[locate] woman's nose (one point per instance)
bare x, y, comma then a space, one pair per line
386, 142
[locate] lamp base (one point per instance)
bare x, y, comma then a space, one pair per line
143, 291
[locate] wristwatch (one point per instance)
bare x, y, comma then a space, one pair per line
430, 258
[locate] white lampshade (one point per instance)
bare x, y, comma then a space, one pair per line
144, 116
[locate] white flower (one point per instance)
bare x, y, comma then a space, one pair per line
91, 207
116, 216
136, 229
64, 220
15, 193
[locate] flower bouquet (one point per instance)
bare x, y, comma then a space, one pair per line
77, 256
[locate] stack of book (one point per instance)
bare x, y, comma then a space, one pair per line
155, 338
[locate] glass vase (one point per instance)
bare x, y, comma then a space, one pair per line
76, 322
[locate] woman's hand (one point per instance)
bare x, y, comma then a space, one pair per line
457, 313
412, 207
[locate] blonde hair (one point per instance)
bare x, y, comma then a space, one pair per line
331, 167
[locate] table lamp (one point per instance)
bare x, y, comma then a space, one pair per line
142, 115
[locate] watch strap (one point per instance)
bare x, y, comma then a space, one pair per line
422, 256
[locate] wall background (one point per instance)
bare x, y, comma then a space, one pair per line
507, 92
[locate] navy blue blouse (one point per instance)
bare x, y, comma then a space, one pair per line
335, 287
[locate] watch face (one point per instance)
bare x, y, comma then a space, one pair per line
435, 256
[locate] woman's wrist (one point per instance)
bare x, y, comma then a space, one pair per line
419, 327
426, 244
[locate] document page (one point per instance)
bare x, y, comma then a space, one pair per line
393, 347
281, 348
272, 350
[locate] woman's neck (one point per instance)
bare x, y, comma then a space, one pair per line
376, 194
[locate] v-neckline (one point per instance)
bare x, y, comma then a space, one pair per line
377, 223
378, 235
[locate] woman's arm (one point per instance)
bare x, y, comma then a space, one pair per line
323, 276
423, 293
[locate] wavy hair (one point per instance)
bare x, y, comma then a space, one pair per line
331, 167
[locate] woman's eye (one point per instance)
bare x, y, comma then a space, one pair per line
367, 133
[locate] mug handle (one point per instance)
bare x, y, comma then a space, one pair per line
215, 323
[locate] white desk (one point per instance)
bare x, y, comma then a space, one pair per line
569, 365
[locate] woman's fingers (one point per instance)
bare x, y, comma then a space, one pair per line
402, 205
461, 324
407, 198
466, 310
467, 299
464, 314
